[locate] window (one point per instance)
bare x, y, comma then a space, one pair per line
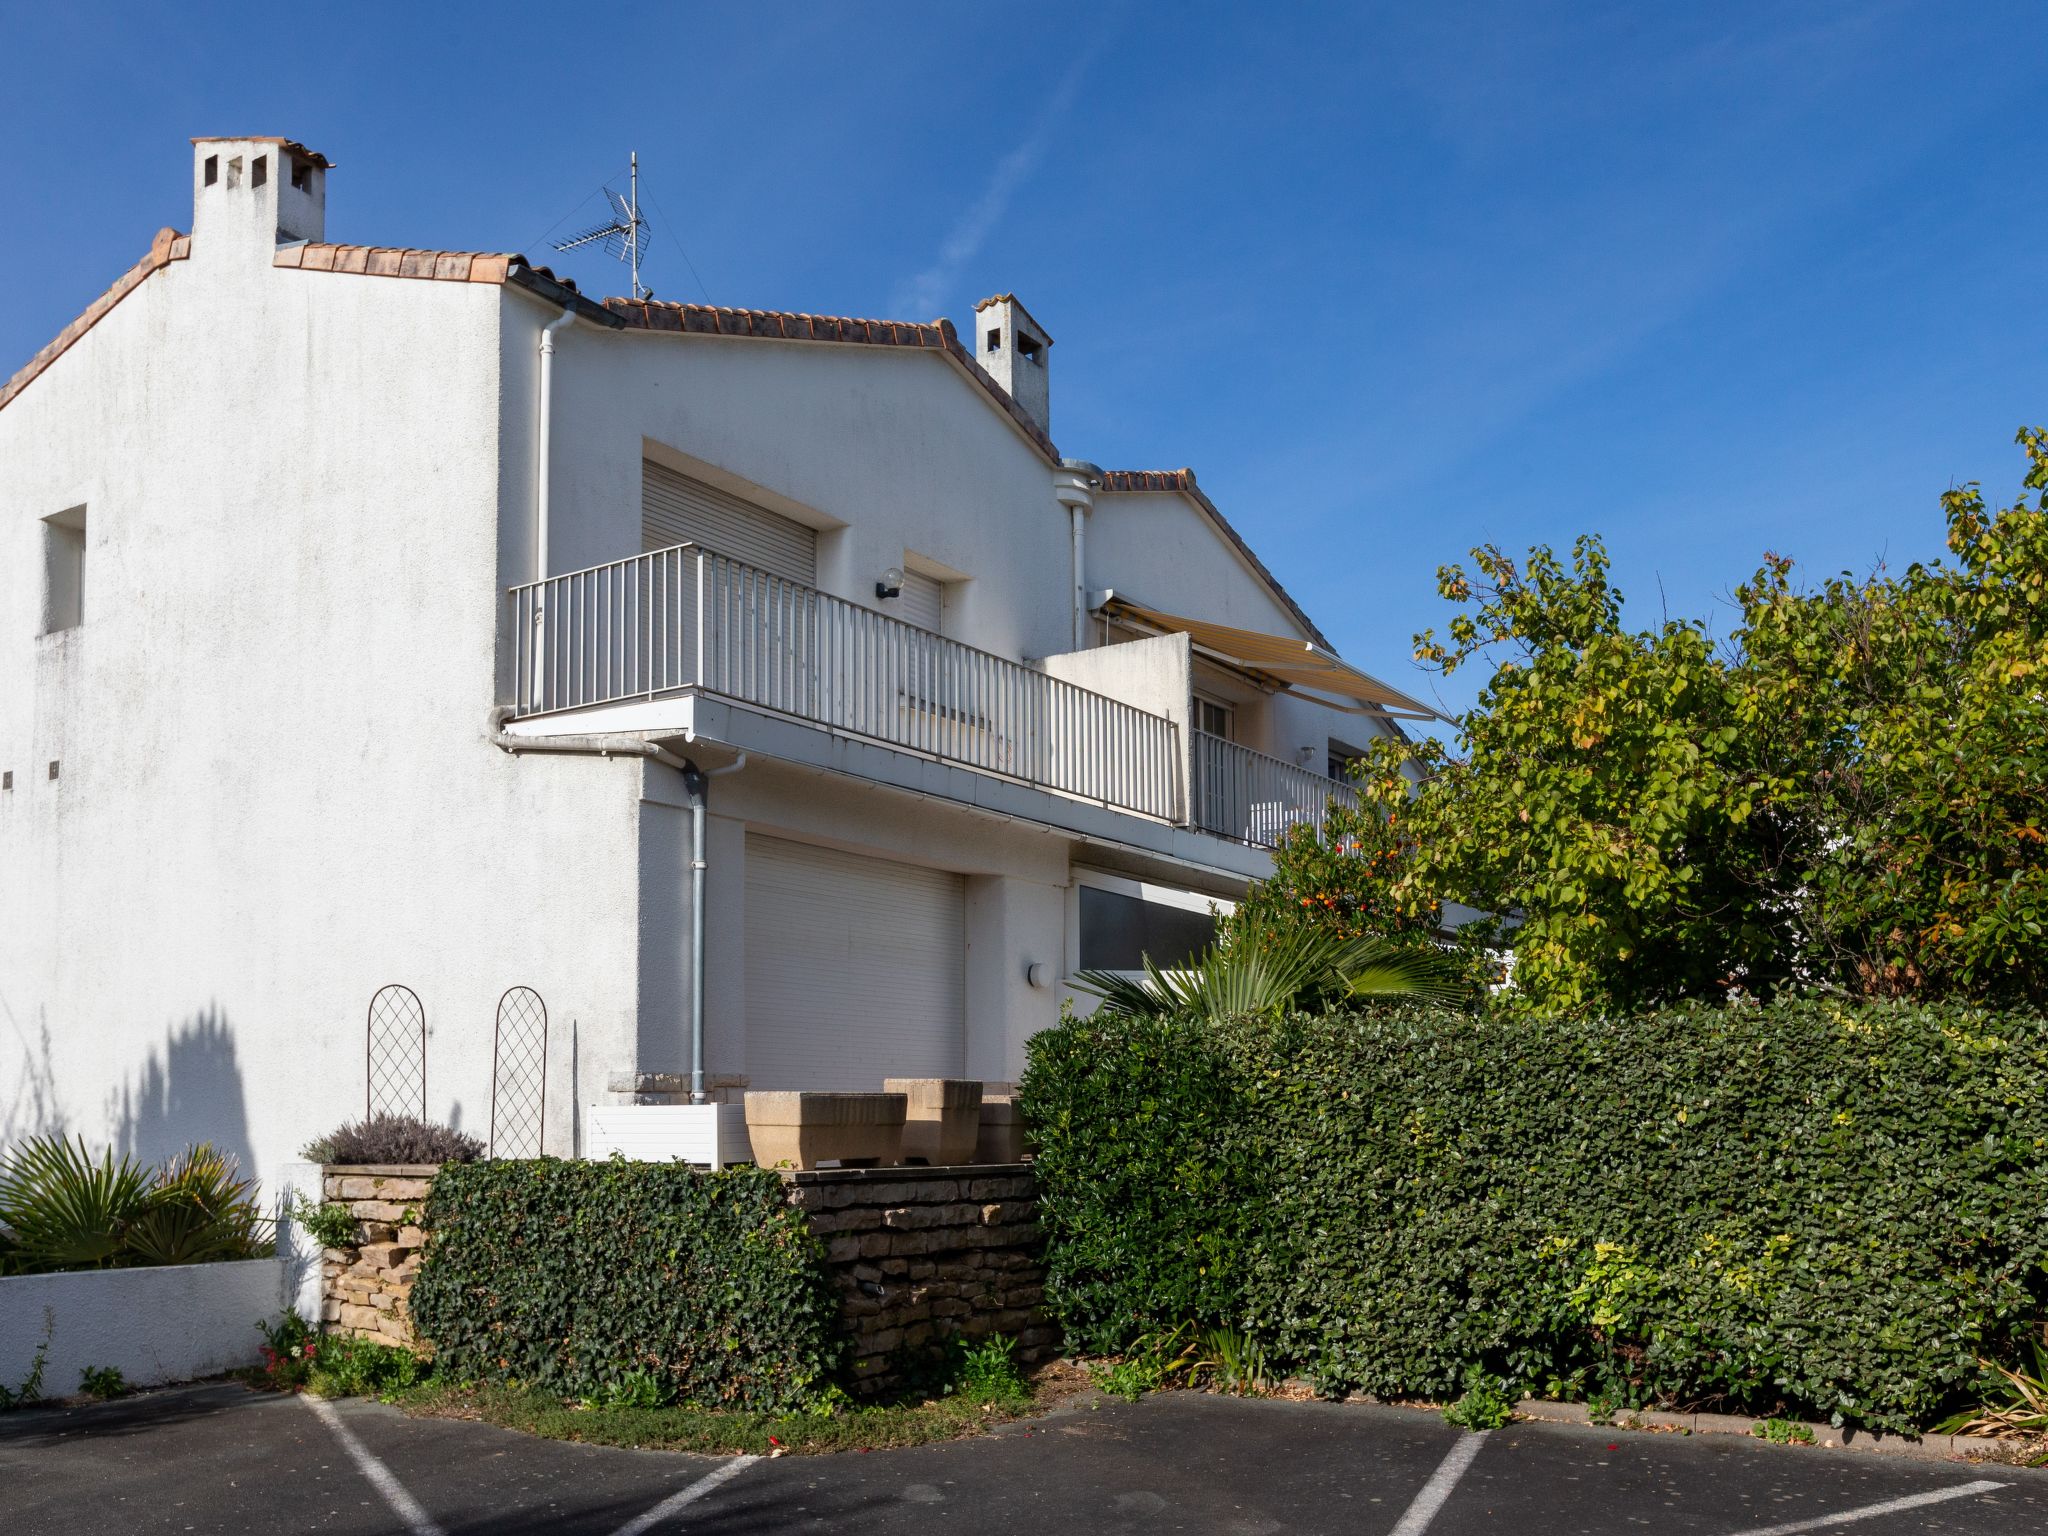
1119, 932
1212, 716
1342, 756
63, 570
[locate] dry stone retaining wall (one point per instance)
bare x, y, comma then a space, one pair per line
922, 1254
919, 1255
363, 1288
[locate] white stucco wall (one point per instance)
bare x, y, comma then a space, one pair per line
306, 493
276, 790
173, 1323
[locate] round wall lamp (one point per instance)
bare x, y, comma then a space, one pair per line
1036, 974
891, 584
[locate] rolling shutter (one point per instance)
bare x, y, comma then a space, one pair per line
675, 509
856, 969
922, 601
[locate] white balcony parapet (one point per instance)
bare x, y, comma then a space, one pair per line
686, 619
1246, 795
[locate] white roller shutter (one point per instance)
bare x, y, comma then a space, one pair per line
922, 601
675, 509
856, 969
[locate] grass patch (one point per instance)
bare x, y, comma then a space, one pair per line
710, 1431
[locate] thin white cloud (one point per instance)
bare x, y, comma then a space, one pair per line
923, 294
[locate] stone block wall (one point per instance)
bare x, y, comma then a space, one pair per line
923, 1254
919, 1255
363, 1288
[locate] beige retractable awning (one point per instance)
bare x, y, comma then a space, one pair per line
1294, 661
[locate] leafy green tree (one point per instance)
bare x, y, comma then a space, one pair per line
1849, 795
1602, 796
1904, 721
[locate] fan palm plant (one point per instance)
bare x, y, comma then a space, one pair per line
61, 1209
1264, 969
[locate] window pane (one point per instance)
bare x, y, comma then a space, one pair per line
1118, 932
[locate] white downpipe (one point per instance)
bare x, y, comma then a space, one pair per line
544, 459
1079, 515
695, 784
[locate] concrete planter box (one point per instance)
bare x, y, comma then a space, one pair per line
708, 1135
855, 1130
942, 1119
174, 1322
1000, 1136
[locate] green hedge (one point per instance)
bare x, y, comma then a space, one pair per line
569, 1275
1801, 1207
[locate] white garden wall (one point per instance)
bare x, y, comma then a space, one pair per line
173, 1323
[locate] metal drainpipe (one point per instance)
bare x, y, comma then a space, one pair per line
696, 782
542, 435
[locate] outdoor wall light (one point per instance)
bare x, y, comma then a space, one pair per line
891, 584
1035, 974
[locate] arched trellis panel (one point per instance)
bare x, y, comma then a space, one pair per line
519, 1074
395, 1053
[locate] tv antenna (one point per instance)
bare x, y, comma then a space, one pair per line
620, 236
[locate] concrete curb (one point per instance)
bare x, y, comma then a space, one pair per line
1825, 1436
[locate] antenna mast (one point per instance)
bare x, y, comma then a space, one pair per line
633, 222
620, 234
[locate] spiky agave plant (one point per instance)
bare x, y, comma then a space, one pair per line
200, 1210
66, 1211
1263, 969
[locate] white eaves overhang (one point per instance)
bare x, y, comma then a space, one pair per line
1294, 662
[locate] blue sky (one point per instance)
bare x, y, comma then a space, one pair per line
1394, 279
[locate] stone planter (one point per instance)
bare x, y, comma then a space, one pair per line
942, 1120
365, 1285
1000, 1136
166, 1323
802, 1130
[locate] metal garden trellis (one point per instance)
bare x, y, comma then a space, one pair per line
519, 1072
395, 1054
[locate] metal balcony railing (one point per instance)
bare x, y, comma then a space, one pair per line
1246, 795
686, 618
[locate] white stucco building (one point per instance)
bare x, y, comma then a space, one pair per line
358, 606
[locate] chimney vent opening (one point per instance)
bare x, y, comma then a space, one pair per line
995, 338
302, 174
259, 172
212, 169
1027, 347
234, 172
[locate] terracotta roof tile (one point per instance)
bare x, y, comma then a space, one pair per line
167, 247
390, 261
1181, 482
785, 325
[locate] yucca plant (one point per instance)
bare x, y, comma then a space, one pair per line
1262, 969
63, 1210
199, 1212
2025, 1409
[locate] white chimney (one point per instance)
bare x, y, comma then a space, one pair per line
256, 194
1014, 349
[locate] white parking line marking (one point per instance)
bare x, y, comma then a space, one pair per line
1872, 1511
404, 1504
1438, 1488
686, 1496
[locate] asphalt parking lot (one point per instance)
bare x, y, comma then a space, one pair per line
219, 1458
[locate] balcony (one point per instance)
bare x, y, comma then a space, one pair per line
688, 622
1252, 798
